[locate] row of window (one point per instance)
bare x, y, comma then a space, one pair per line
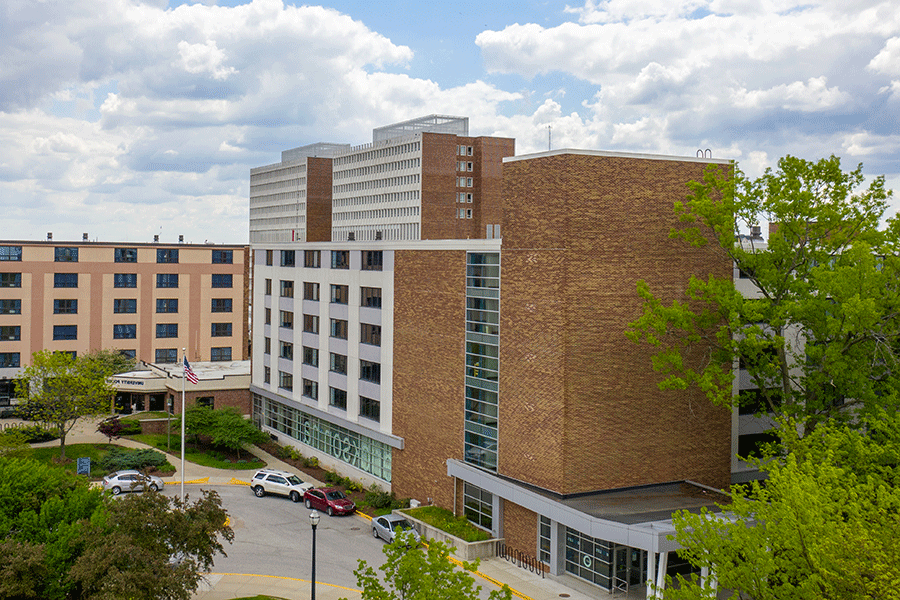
379, 153
368, 407
410, 163
126, 331
340, 294
121, 255
10, 306
170, 355
120, 280
368, 333
372, 260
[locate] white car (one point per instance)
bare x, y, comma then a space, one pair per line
131, 481
390, 526
280, 483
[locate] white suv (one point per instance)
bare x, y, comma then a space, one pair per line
282, 483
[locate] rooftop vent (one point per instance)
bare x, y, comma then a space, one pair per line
351, 237
49, 235
180, 239
84, 237
378, 235
156, 238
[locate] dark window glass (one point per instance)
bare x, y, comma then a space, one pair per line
268, 287
126, 255
221, 280
312, 259
339, 329
340, 259
287, 289
65, 332
66, 255
310, 291
287, 258
268, 314
310, 323
167, 280
369, 408
167, 330
128, 353
310, 356
221, 330
221, 305
370, 371
125, 305
370, 297
167, 255
338, 398
338, 363
372, 260
65, 307
311, 389
287, 319
267, 375
370, 334
125, 280
10, 333
269, 257
268, 345
167, 305
124, 332
9, 360
10, 306
220, 354
10, 280
65, 280
166, 355
285, 380
222, 257
287, 350
10, 253
340, 294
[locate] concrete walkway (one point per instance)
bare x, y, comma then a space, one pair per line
491, 574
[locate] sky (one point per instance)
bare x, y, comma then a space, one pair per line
126, 119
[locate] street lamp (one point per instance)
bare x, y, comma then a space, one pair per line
313, 520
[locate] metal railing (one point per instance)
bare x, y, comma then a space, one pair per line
521, 559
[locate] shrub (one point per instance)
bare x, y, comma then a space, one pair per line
295, 455
378, 498
283, 452
35, 434
332, 478
118, 459
130, 426
311, 462
355, 486
444, 520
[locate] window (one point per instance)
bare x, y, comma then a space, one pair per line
312, 259
287, 319
372, 260
167, 255
310, 323
287, 350
287, 258
65, 332
167, 280
65, 307
222, 257
310, 356
128, 353
124, 332
469, 150
338, 363
338, 398
268, 313
287, 289
340, 259
310, 291
479, 505
268, 345
339, 329
167, 330
221, 330
9, 360
10, 307
370, 297
11, 253
369, 408
220, 354
285, 380
125, 305
268, 287
468, 182
221, 280
10, 333
65, 280
370, 371
340, 294
166, 355
221, 305
66, 255
267, 375
311, 389
10, 280
469, 166
125, 280
270, 256
126, 255
370, 334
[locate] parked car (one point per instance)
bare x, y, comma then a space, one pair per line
329, 500
389, 526
280, 483
131, 481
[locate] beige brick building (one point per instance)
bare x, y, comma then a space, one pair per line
479, 361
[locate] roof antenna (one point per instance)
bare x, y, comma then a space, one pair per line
549, 133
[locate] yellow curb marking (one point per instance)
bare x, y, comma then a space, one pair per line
500, 585
236, 481
288, 579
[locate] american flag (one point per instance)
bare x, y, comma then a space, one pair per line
189, 373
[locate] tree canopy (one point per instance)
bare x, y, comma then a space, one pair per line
817, 327
59, 389
60, 539
824, 525
225, 427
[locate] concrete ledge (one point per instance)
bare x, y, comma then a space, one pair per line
464, 550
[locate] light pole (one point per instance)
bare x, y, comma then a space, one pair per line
313, 520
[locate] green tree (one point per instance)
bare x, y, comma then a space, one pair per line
225, 427
824, 526
62, 540
820, 335
415, 575
14, 443
59, 389
107, 363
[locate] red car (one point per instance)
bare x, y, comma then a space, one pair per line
330, 500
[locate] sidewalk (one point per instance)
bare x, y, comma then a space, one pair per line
491, 574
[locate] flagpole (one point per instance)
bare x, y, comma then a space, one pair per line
183, 377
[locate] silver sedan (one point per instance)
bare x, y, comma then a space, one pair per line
131, 481
388, 527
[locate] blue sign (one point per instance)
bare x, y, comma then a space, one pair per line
84, 465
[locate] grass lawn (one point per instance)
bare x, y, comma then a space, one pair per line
204, 456
93, 451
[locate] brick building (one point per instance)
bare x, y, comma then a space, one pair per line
490, 373
146, 300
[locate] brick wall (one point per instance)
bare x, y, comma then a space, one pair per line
429, 366
439, 187
520, 528
489, 155
579, 406
318, 199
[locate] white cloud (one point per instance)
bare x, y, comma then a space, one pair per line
888, 60
808, 96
